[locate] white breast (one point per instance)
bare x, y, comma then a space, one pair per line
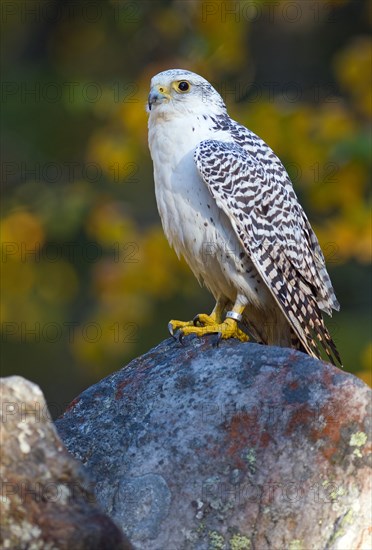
192, 222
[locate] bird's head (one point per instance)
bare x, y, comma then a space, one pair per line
180, 91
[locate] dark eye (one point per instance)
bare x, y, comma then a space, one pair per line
183, 86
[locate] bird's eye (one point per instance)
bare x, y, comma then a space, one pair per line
183, 86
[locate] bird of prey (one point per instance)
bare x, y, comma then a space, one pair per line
228, 206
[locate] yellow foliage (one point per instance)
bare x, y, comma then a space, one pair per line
366, 361
134, 117
144, 267
349, 240
223, 26
264, 118
353, 70
107, 335
161, 261
339, 185
333, 122
22, 238
17, 278
56, 282
22, 235
114, 154
109, 224
168, 22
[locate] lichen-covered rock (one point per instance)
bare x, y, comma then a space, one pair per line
238, 447
47, 502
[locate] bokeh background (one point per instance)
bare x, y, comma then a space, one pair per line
88, 279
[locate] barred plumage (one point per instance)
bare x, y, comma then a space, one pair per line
275, 233
217, 181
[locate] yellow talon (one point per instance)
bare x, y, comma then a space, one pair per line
177, 325
228, 329
205, 320
201, 319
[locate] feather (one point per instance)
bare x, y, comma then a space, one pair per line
274, 231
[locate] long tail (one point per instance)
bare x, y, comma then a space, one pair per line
272, 328
317, 337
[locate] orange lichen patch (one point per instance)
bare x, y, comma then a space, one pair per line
329, 452
333, 417
327, 376
366, 450
239, 435
300, 417
330, 428
264, 439
240, 431
245, 431
364, 539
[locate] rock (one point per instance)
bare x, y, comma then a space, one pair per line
47, 502
237, 447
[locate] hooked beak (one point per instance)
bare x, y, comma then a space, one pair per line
158, 94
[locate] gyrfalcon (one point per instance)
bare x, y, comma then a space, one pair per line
228, 206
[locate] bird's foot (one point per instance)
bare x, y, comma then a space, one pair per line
207, 324
204, 320
174, 326
199, 320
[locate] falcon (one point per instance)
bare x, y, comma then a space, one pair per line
227, 205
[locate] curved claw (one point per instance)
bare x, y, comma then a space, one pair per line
196, 320
170, 330
218, 340
179, 336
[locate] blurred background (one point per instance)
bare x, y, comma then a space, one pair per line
88, 279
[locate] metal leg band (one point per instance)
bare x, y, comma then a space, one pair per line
234, 315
